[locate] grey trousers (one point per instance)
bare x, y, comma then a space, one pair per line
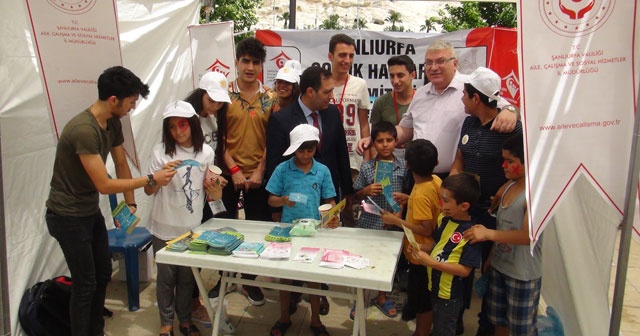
174, 289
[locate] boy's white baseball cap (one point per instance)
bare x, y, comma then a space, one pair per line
299, 135
485, 81
180, 109
216, 85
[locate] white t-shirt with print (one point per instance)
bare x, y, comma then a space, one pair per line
356, 96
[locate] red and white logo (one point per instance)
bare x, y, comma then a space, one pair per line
575, 17
220, 67
74, 7
512, 84
456, 237
281, 59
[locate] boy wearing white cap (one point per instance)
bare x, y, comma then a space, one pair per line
303, 175
177, 208
479, 149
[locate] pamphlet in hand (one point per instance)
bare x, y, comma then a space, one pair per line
298, 198
410, 237
306, 254
335, 211
387, 191
123, 215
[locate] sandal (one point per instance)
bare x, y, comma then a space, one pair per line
324, 305
319, 331
280, 327
388, 308
190, 330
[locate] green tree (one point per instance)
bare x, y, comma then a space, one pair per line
473, 15
333, 22
359, 24
284, 17
428, 25
394, 17
241, 12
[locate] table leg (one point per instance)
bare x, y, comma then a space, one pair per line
220, 307
359, 327
203, 291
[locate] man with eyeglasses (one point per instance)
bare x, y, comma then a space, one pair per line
436, 113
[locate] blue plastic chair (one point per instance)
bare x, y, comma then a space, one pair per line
129, 245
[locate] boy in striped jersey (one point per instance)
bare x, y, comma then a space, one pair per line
450, 259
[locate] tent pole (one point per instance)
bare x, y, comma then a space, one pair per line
627, 225
5, 319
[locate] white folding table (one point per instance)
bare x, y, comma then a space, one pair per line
382, 248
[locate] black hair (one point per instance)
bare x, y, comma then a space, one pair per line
464, 187
471, 90
120, 82
195, 99
515, 145
312, 144
383, 127
421, 156
402, 60
340, 38
312, 78
295, 92
197, 137
251, 47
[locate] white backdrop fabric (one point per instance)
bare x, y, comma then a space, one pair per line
155, 46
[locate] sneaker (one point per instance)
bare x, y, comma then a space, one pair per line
215, 291
254, 295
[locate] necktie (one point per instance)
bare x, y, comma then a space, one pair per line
316, 124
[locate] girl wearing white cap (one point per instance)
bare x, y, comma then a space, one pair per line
287, 84
177, 207
211, 98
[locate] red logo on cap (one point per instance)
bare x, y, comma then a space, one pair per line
456, 237
281, 59
220, 67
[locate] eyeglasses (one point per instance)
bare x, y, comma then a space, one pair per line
438, 62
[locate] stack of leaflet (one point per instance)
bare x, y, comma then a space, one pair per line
214, 242
279, 234
248, 250
181, 243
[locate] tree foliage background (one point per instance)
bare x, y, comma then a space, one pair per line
243, 13
474, 15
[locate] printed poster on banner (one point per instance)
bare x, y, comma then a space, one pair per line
491, 47
574, 127
212, 49
75, 42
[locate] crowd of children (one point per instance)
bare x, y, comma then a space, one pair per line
437, 213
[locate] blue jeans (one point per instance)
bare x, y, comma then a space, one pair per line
85, 245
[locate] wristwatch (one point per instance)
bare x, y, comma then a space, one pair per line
510, 108
151, 182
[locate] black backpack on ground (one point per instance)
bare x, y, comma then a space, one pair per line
44, 308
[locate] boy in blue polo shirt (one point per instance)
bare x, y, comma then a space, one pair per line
451, 258
304, 176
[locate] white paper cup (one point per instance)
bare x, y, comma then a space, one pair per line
324, 209
213, 173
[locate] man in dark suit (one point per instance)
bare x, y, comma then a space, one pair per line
312, 107
316, 87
